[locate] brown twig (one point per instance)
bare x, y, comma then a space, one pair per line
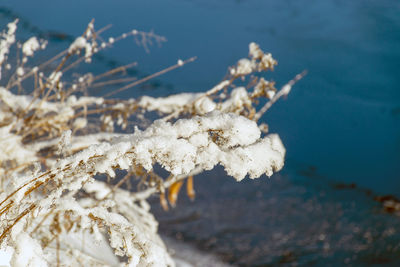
145, 79
285, 90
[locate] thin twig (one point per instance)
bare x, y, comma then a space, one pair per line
285, 90
110, 82
115, 70
145, 79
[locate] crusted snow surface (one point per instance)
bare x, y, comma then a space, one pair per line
11, 147
28, 252
218, 138
22, 102
198, 103
262, 157
167, 104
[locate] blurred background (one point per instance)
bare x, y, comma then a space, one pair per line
336, 200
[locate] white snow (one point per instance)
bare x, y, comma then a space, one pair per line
30, 46
77, 45
20, 71
244, 67
167, 104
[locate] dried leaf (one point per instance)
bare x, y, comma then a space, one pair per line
173, 192
189, 188
163, 202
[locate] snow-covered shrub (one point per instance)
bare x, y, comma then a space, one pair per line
55, 141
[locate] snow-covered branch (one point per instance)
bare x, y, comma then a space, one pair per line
56, 142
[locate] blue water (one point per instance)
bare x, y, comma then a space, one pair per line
343, 118
340, 124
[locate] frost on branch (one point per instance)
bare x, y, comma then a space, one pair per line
30, 46
56, 143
